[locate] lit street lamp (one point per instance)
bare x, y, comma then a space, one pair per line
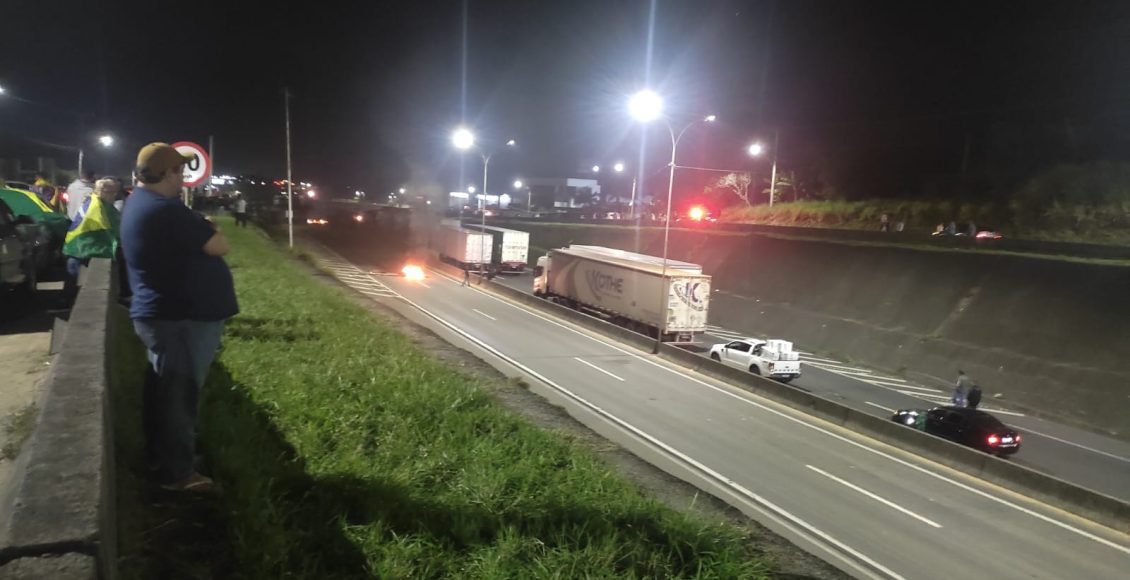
463, 139
529, 194
618, 168
105, 140
756, 150
646, 106
596, 169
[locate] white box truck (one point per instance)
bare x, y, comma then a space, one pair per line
511, 248
627, 290
464, 248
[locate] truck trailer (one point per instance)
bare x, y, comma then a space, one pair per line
627, 290
464, 248
510, 248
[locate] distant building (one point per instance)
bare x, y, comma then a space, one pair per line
562, 192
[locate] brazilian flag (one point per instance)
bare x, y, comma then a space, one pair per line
94, 233
26, 203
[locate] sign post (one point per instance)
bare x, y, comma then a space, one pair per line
197, 170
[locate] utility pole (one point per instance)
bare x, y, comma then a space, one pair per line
773, 176
212, 167
289, 179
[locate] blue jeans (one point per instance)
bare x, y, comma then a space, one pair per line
180, 353
70, 282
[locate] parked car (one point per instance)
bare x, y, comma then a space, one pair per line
22, 185
17, 256
970, 427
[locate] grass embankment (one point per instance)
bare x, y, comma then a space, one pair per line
1099, 224
345, 451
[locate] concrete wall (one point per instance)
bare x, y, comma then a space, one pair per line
59, 517
1052, 335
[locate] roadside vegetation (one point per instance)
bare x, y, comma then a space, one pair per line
345, 451
18, 427
1070, 203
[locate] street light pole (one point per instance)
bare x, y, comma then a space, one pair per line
663, 288
483, 214
773, 176
632, 203
289, 191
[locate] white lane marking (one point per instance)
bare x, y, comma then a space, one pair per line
885, 455
829, 361
585, 362
1091, 449
887, 409
769, 509
862, 375
1002, 412
897, 387
836, 367
484, 314
875, 497
422, 283
924, 396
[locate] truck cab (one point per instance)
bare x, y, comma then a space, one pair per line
771, 358
540, 278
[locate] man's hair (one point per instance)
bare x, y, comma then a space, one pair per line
145, 175
104, 183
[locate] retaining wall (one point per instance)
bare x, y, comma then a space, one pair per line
61, 509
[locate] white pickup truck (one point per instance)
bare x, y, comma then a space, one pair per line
769, 358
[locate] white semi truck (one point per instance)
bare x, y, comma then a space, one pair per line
464, 248
627, 289
511, 248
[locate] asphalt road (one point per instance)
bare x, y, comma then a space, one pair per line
864, 506
1088, 459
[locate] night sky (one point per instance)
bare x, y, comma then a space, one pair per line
887, 96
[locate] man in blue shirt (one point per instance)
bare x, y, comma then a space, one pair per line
182, 293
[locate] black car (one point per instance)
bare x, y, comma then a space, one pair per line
969, 427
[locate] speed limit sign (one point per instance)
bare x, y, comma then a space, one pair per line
197, 170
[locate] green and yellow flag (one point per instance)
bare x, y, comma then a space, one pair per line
26, 203
94, 233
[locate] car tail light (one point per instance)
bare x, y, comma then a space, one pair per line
993, 440
1018, 437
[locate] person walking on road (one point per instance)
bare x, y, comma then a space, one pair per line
240, 211
466, 277
961, 389
974, 397
182, 294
